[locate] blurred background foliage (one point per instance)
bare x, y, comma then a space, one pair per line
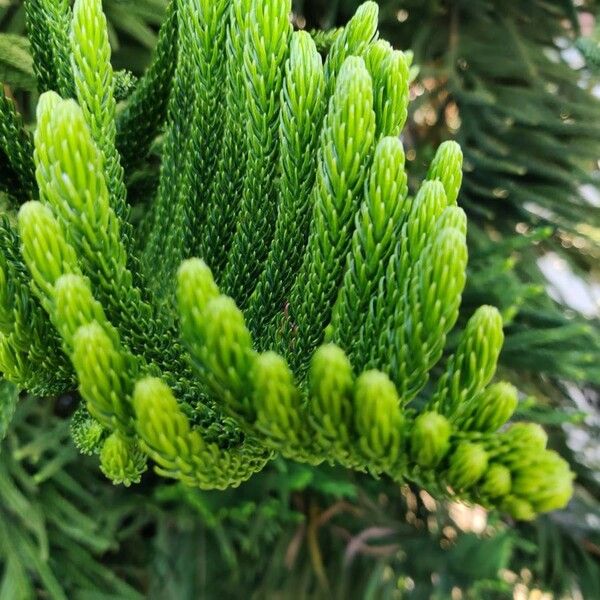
516, 84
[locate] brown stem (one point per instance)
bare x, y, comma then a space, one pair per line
313, 546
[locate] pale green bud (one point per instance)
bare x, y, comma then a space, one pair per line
447, 168
330, 389
489, 410
122, 461
196, 285
164, 429
468, 464
496, 482
518, 508
454, 217
195, 288
276, 399
75, 306
546, 482
430, 439
426, 209
354, 40
228, 354
104, 381
390, 73
378, 417
473, 364
527, 436
46, 252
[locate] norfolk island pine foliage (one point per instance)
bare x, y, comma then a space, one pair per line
324, 294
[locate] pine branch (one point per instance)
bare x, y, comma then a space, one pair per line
226, 188
378, 224
198, 134
30, 349
265, 50
303, 105
139, 122
48, 31
16, 144
43, 53
95, 87
296, 189
344, 157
